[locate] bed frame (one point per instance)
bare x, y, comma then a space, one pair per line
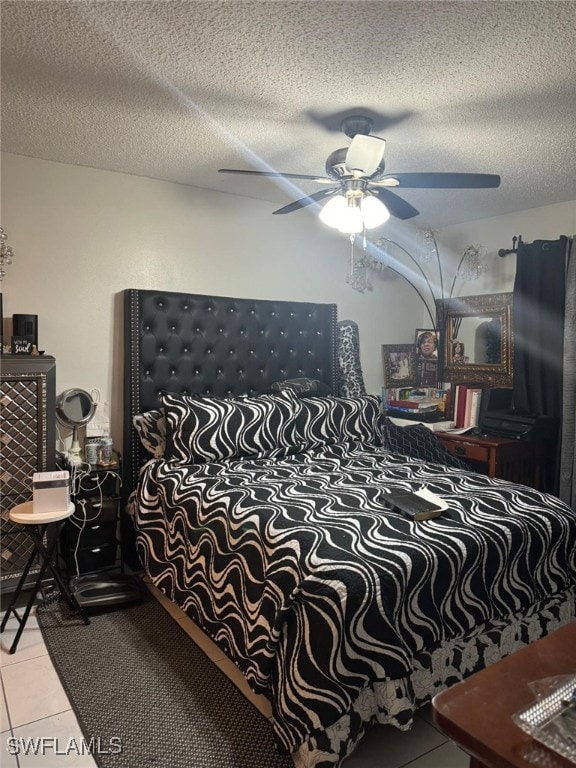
215, 345
223, 346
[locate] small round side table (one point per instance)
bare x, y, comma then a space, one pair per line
36, 524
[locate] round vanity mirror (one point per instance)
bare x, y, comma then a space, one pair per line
74, 408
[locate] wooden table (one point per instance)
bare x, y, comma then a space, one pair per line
520, 461
477, 713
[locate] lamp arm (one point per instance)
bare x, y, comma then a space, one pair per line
439, 266
456, 274
424, 275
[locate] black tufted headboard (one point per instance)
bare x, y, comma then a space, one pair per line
216, 345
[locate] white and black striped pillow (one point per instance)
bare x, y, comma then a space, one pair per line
302, 387
203, 429
329, 420
151, 429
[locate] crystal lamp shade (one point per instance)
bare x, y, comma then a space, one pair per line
6, 254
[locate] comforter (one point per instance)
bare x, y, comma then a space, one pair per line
303, 574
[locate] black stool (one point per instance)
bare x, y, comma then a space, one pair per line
35, 525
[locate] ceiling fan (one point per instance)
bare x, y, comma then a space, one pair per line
360, 196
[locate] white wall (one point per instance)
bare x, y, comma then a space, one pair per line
82, 235
545, 223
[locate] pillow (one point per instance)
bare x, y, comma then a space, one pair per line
416, 441
328, 420
301, 387
203, 429
151, 429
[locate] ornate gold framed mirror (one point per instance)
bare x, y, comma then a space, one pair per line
476, 339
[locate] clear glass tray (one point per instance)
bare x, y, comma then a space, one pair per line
551, 720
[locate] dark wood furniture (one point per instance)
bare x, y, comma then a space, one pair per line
89, 540
477, 713
519, 461
28, 439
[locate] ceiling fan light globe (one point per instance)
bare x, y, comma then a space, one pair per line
351, 220
332, 212
374, 212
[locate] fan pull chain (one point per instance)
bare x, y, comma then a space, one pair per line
368, 272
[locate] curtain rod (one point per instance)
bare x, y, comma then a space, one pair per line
516, 241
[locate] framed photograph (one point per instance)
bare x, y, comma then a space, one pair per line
426, 346
458, 352
398, 362
426, 343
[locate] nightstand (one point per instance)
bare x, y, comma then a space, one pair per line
89, 541
520, 461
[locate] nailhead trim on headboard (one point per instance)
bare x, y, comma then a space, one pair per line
217, 345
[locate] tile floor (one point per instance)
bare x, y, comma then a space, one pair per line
33, 704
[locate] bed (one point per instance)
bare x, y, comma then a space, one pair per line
257, 502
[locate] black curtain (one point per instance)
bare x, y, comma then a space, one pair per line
567, 484
538, 326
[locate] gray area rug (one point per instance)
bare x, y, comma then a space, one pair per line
134, 673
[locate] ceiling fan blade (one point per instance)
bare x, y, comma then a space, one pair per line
397, 207
304, 201
365, 154
441, 180
319, 179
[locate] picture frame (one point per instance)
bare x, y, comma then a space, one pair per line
427, 355
458, 353
398, 364
421, 336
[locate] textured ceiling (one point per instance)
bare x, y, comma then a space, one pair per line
175, 90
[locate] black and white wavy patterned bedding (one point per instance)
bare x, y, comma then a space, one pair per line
320, 593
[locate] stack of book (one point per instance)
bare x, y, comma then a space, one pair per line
467, 405
416, 410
